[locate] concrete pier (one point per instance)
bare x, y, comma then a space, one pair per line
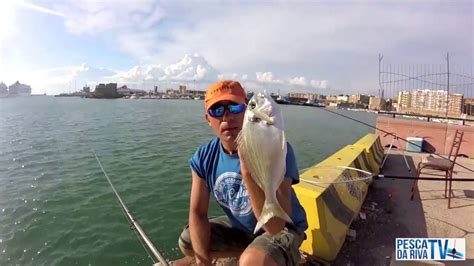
390, 214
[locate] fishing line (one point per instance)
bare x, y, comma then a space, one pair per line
344, 175
459, 179
133, 222
391, 134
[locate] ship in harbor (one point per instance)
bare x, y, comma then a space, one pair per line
14, 90
3, 90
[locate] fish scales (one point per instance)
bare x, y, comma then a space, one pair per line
262, 145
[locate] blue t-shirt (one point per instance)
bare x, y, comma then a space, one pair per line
223, 178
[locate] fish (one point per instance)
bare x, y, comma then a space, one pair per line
262, 146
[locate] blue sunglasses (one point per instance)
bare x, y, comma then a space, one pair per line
219, 110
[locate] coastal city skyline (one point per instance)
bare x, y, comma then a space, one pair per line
417, 101
324, 47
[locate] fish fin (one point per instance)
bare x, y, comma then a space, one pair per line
239, 140
283, 140
269, 211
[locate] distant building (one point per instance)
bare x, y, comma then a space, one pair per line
430, 102
375, 103
455, 102
331, 98
196, 93
418, 100
342, 98
359, 99
18, 89
3, 89
182, 89
171, 92
468, 106
106, 91
303, 95
126, 91
86, 89
404, 101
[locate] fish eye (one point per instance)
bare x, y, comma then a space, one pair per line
255, 119
252, 105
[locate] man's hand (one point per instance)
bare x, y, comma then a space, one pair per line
243, 167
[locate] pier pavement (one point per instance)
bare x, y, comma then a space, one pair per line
390, 213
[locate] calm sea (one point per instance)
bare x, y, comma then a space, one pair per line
56, 207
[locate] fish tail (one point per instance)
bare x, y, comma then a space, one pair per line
269, 211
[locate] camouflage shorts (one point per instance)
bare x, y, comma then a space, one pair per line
282, 247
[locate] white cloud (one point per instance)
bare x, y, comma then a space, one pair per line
117, 17
339, 41
201, 73
232, 76
319, 84
56, 80
277, 44
267, 77
127, 25
134, 74
299, 81
190, 69
301, 38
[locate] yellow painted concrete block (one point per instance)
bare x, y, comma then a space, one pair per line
333, 203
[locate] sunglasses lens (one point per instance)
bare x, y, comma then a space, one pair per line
217, 111
236, 108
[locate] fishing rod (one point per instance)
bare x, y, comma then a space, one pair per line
133, 222
391, 134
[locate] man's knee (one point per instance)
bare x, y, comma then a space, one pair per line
184, 243
254, 256
187, 252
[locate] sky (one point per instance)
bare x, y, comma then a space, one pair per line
327, 47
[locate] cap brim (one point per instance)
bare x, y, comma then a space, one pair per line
228, 97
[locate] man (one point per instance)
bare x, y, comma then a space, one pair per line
217, 169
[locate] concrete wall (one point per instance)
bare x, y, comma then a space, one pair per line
332, 205
438, 136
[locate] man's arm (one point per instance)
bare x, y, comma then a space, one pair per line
198, 221
257, 199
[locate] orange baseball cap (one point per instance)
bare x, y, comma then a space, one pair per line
225, 90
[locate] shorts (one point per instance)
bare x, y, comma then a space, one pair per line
282, 247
